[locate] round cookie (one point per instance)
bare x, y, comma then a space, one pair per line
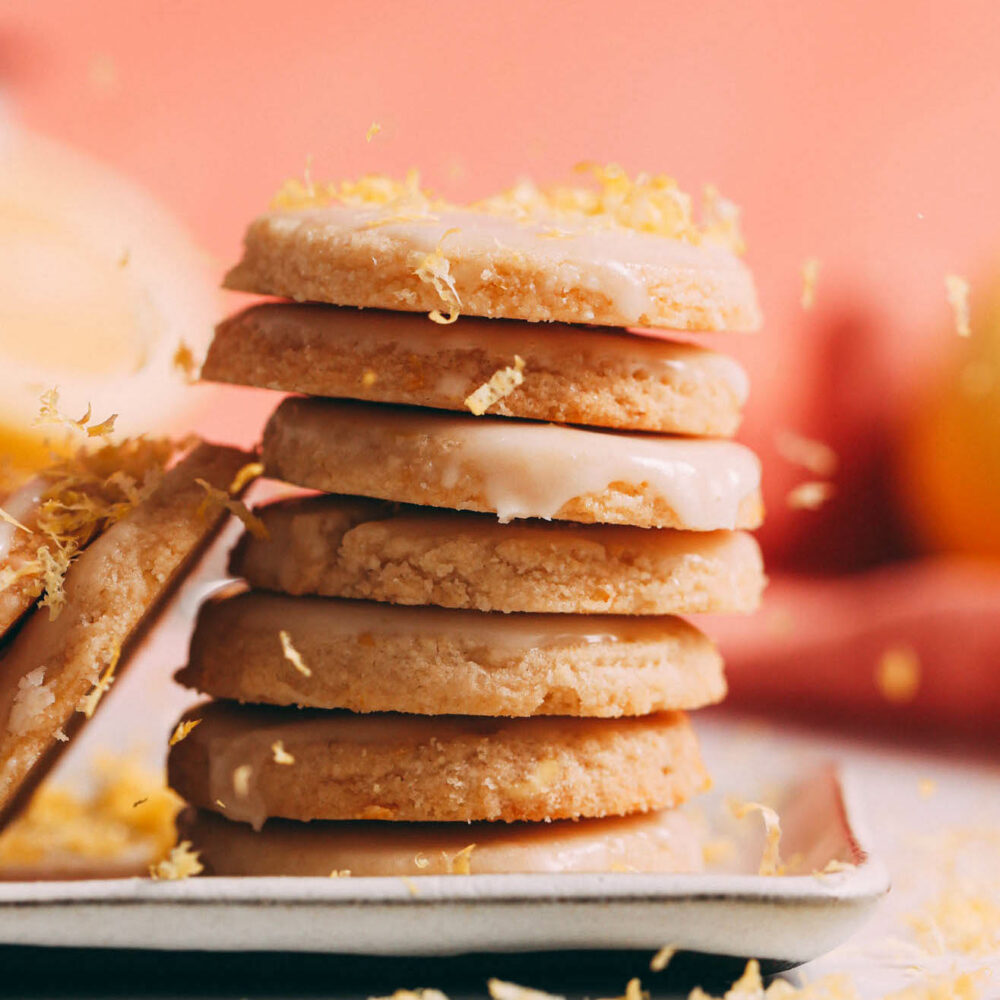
482, 264
432, 661
515, 469
661, 841
598, 378
354, 547
449, 768
55, 670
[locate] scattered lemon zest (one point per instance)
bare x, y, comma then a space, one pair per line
809, 496
220, 804
819, 458
926, 788
459, 863
662, 958
104, 429
421, 860
501, 990
246, 475
810, 274
184, 362
834, 867
957, 292
89, 702
181, 863
241, 780
435, 269
373, 130
499, 385
221, 498
340, 873
14, 522
411, 886
897, 674
279, 754
770, 862
293, 656
183, 730
368, 378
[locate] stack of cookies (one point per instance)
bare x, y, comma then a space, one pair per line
462, 653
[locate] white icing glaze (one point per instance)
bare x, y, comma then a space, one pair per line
611, 260
532, 470
20, 505
657, 841
516, 633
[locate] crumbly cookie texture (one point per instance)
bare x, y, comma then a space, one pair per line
441, 768
629, 254
353, 547
431, 661
514, 469
54, 672
661, 841
598, 378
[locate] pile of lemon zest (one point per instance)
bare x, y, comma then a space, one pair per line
291, 654
246, 475
420, 860
369, 191
183, 730
501, 990
958, 921
459, 863
819, 458
14, 522
810, 274
809, 496
897, 674
49, 415
279, 754
499, 385
662, 958
241, 780
89, 702
221, 498
770, 862
957, 291
184, 362
340, 873
59, 822
182, 862
373, 130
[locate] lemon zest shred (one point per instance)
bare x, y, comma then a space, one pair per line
181, 863
810, 495
499, 385
246, 475
373, 130
897, 674
89, 702
291, 654
14, 522
957, 293
279, 754
662, 958
221, 498
770, 862
183, 730
810, 275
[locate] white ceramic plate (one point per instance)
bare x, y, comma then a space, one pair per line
787, 919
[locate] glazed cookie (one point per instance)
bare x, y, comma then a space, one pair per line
53, 673
598, 378
256, 763
459, 260
515, 469
353, 547
328, 653
661, 841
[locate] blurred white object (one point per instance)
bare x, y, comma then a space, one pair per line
98, 287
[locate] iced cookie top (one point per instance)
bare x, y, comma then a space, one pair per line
624, 253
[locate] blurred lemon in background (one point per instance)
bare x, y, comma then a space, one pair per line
99, 288
951, 451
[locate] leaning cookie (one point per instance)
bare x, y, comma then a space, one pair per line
55, 670
477, 263
597, 378
515, 469
251, 764
354, 547
329, 653
661, 841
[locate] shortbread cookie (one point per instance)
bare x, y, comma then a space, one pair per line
598, 378
353, 547
256, 763
456, 260
18, 550
53, 673
515, 469
661, 841
328, 653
